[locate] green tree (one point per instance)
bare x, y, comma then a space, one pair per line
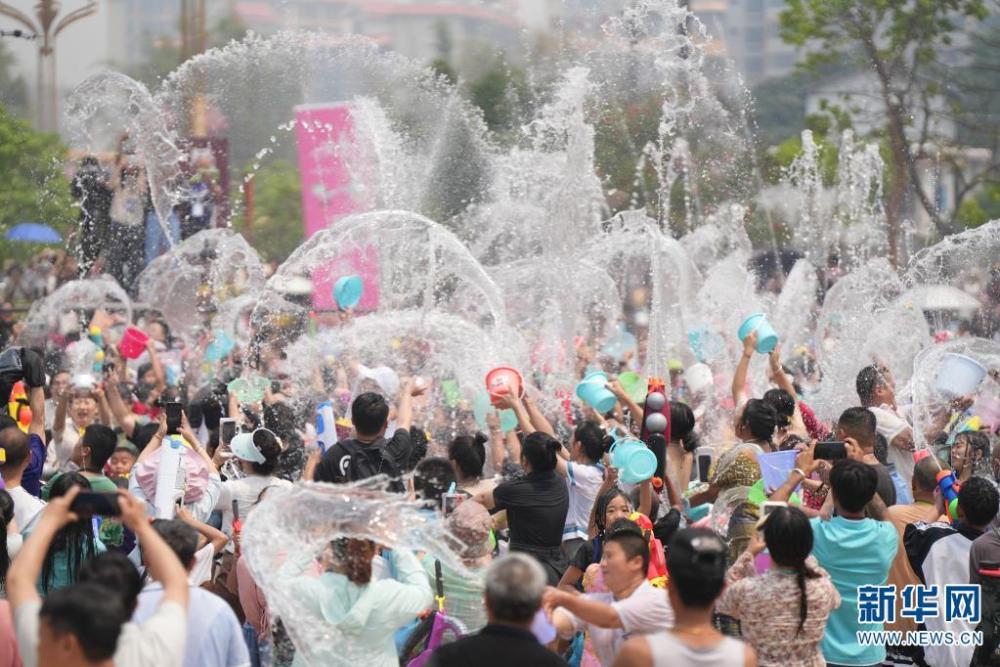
901, 42
34, 187
277, 225
500, 92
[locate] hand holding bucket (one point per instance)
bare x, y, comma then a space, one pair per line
593, 390
633, 459
504, 380
757, 323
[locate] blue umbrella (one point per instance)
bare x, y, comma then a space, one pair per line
33, 232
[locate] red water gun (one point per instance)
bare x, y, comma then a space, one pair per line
237, 526
655, 430
657, 572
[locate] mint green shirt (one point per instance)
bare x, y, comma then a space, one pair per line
855, 553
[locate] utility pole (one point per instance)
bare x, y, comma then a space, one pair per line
48, 28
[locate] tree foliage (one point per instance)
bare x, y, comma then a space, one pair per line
34, 186
277, 226
907, 45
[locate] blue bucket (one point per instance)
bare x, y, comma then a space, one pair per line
347, 291
594, 392
635, 462
767, 337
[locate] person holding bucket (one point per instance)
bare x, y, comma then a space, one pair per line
536, 505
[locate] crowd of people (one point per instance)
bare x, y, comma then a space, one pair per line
562, 561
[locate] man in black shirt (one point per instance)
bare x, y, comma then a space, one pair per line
859, 425
514, 588
369, 453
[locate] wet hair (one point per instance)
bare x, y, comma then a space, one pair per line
627, 534
790, 441
113, 571
860, 424
978, 500
514, 586
976, 441
853, 483
16, 446
601, 508
355, 556
540, 450
789, 540
6, 516
868, 381
925, 473
760, 418
469, 454
431, 479
591, 439
369, 413
87, 612
783, 404
267, 444
696, 560
101, 440
180, 537
682, 423
75, 540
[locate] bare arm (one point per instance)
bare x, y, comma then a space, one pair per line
36, 401
778, 373
646, 497
215, 537
538, 420
103, 409
497, 449
122, 415
155, 441
404, 411
158, 371
590, 611
624, 399
740, 376
59, 421
509, 402
162, 563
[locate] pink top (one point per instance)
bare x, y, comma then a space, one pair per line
252, 600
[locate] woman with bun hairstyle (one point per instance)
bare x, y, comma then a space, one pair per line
467, 454
536, 505
683, 442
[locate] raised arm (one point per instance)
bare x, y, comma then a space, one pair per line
538, 420
778, 373
119, 411
59, 421
740, 376
162, 562
404, 411
624, 399
805, 464
214, 536
158, 370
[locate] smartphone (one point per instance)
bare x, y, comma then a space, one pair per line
95, 503
173, 409
704, 464
830, 450
227, 431
450, 501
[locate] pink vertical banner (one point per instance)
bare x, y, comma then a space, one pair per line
325, 137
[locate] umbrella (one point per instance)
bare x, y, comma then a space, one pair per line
33, 232
940, 297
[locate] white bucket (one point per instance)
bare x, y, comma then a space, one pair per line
959, 375
699, 378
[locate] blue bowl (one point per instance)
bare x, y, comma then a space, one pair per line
347, 291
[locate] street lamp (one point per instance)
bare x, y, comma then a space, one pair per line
48, 29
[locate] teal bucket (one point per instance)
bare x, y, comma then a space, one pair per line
248, 390
347, 291
635, 462
481, 407
767, 337
593, 391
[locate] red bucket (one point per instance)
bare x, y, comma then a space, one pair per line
133, 343
504, 380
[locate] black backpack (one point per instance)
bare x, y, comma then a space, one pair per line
370, 461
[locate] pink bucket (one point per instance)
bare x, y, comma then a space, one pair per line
133, 343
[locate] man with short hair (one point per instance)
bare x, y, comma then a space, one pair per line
215, 638
939, 554
855, 546
19, 456
80, 626
515, 585
92, 452
697, 564
369, 453
858, 426
631, 606
159, 642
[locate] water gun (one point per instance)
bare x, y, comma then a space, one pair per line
97, 338
949, 489
17, 407
326, 426
655, 430
657, 572
237, 526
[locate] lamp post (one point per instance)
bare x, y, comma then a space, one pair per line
48, 28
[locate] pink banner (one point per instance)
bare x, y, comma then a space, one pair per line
325, 136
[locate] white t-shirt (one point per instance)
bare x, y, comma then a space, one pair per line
646, 610
889, 423
158, 642
246, 492
201, 571
583, 482
26, 506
